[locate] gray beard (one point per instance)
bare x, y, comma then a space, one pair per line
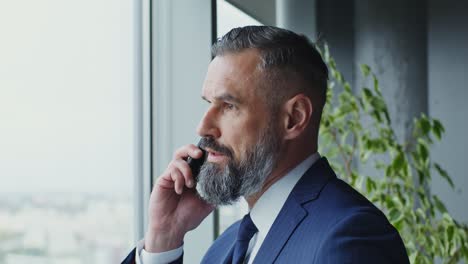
224, 185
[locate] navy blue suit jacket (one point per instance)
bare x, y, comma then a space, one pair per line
324, 220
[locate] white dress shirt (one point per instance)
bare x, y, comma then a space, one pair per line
263, 214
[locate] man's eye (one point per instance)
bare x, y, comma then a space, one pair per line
229, 106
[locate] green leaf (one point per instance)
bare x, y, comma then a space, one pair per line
447, 218
444, 175
423, 150
438, 128
370, 185
339, 77
425, 125
450, 232
379, 104
439, 204
465, 251
365, 69
347, 87
394, 215
367, 94
397, 201
413, 256
398, 161
389, 171
421, 213
365, 156
332, 152
376, 86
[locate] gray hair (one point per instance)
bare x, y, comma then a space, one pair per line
285, 56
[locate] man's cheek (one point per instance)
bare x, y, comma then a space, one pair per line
239, 158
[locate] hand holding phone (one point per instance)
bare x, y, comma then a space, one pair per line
174, 200
195, 164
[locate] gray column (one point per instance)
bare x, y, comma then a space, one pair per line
335, 26
448, 90
298, 16
391, 37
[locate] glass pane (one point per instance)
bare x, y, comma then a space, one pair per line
66, 144
229, 17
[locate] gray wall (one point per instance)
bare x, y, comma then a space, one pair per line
448, 95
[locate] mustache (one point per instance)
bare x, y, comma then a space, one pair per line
209, 142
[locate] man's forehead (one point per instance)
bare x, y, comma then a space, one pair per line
235, 74
222, 91
233, 65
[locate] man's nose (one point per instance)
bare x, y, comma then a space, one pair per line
207, 126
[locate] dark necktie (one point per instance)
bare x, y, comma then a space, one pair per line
246, 231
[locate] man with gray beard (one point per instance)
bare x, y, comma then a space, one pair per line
265, 89
222, 185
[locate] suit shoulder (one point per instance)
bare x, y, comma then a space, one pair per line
362, 237
355, 227
343, 200
221, 246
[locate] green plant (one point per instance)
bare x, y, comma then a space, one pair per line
401, 190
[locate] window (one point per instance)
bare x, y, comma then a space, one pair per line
67, 131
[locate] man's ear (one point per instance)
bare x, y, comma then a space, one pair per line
298, 111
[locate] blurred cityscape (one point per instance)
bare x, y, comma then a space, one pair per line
65, 228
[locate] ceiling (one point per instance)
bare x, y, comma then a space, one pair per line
262, 10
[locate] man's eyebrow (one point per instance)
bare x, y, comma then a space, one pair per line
225, 97
204, 98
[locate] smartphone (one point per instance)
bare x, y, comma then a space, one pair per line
195, 164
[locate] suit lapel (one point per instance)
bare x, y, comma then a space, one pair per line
228, 256
280, 232
292, 213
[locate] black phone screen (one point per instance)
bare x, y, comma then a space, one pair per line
195, 164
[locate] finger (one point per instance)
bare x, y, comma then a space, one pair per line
178, 180
188, 150
165, 181
184, 168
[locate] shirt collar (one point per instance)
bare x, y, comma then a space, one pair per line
268, 206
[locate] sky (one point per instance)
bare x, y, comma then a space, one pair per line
66, 96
